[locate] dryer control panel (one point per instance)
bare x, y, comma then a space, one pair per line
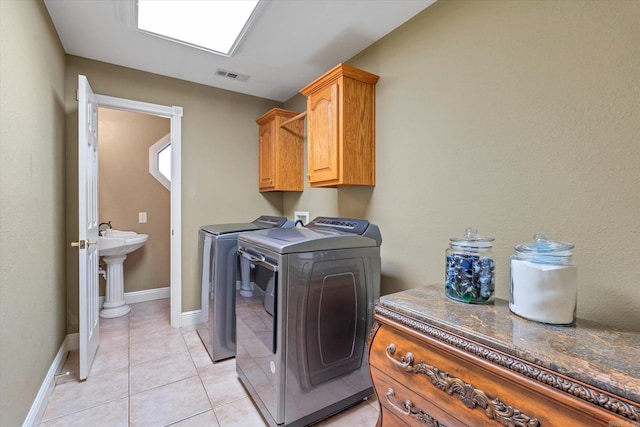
361, 227
350, 225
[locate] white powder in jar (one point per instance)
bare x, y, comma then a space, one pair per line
544, 292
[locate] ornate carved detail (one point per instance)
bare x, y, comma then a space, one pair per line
541, 375
372, 332
470, 396
427, 419
407, 408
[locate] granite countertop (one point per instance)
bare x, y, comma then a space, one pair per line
592, 353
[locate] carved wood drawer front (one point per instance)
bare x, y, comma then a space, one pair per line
455, 388
400, 405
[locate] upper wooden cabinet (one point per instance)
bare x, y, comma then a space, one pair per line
341, 128
281, 151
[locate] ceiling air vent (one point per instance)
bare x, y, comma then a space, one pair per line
232, 75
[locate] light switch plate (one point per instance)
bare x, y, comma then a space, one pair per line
142, 217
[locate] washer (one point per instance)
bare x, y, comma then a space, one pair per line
217, 254
302, 325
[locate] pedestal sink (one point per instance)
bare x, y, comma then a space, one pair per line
113, 247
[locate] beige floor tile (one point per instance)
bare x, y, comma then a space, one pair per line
169, 403
224, 368
150, 311
137, 322
142, 331
110, 358
158, 372
362, 414
373, 400
112, 414
115, 323
98, 389
114, 338
197, 350
170, 378
207, 419
222, 383
144, 351
241, 413
184, 329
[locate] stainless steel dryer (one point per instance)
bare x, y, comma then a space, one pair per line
217, 255
302, 325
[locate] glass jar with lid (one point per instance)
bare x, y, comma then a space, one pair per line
470, 268
544, 281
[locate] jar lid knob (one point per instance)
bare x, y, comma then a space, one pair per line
470, 233
541, 238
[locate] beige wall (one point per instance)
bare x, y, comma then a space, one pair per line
511, 117
126, 187
219, 158
32, 238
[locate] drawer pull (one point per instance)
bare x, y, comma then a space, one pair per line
407, 408
404, 362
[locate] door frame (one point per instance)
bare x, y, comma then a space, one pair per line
174, 113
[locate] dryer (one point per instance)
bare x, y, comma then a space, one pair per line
303, 325
217, 255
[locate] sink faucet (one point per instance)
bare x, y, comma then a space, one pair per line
108, 227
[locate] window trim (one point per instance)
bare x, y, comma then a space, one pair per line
154, 170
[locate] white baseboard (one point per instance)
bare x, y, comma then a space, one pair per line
46, 389
146, 295
194, 317
188, 318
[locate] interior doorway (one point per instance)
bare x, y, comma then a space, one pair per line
174, 115
131, 198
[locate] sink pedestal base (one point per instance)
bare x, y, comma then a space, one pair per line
114, 302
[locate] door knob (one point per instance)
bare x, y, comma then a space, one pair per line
83, 244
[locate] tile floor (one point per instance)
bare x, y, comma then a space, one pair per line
148, 374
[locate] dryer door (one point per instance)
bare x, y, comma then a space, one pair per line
329, 317
328, 301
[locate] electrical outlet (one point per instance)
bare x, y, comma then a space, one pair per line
302, 216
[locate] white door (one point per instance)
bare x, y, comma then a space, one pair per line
88, 225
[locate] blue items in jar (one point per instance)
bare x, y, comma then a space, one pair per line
470, 274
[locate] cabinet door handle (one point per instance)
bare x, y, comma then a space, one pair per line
404, 362
405, 409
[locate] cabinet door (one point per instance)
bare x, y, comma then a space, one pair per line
267, 158
323, 135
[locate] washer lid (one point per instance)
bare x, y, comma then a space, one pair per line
292, 240
264, 221
233, 227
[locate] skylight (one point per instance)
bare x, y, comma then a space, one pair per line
215, 25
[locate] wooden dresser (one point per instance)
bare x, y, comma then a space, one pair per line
436, 362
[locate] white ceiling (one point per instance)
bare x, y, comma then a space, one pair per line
291, 42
